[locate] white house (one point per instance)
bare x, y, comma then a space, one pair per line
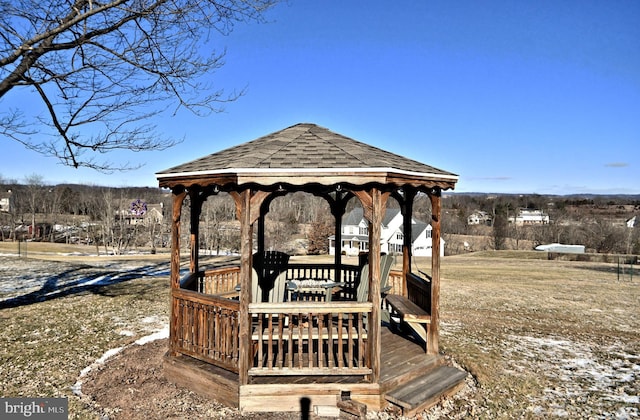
5, 201
140, 213
355, 235
479, 217
530, 217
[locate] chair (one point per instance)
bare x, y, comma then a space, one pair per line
362, 292
269, 276
275, 294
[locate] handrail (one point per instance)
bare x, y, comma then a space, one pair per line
309, 306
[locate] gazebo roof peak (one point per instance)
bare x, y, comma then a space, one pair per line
303, 148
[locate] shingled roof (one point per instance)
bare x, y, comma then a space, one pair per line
302, 149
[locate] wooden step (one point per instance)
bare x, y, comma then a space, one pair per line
426, 390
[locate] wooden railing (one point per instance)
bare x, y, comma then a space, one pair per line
396, 282
310, 338
206, 327
224, 280
220, 280
216, 281
348, 275
291, 338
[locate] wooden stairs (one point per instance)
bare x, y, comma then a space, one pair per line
429, 388
411, 379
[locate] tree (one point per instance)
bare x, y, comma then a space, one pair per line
500, 225
99, 70
603, 236
35, 188
318, 235
218, 214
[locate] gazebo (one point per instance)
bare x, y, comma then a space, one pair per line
253, 348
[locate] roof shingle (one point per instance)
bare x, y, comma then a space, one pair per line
303, 146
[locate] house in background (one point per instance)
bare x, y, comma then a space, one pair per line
138, 212
527, 217
355, 235
5, 201
479, 217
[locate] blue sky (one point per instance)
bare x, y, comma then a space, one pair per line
514, 96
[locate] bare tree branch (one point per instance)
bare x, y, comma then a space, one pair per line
101, 70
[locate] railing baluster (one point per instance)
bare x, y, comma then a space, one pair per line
270, 342
361, 347
260, 343
340, 342
290, 341
330, 343
320, 342
279, 361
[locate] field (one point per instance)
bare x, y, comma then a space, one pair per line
542, 339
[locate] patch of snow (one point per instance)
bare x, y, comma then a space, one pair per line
150, 319
158, 335
19, 280
96, 281
579, 371
77, 387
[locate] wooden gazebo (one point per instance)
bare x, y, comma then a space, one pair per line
268, 355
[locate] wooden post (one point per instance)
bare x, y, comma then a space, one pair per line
376, 215
338, 247
260, 203
374, 204
261, 233
196, 210
434, 328
407, 216
337, 210
246, 249
178, 198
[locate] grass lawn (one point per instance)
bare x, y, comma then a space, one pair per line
541, 338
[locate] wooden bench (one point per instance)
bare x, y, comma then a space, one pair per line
411, 314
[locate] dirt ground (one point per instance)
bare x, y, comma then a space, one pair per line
131, 385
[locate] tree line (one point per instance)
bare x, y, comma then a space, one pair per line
301, 223
597, 222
